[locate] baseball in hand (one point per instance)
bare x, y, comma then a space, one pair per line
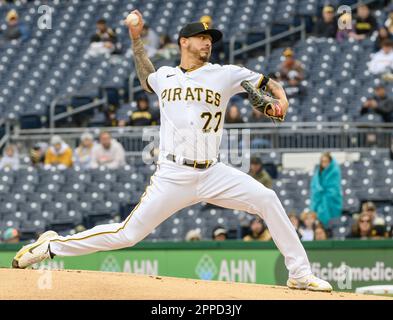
132, 19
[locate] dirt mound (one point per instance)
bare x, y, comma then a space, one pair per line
40, 284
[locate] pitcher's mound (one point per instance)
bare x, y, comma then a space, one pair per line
40, 284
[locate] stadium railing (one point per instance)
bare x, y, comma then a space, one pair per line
267, 43
53, 117
286, 137
5, 131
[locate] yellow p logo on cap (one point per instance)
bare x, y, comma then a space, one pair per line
205, 25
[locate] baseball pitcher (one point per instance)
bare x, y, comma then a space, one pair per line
193, 98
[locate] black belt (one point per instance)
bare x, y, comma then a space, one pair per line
191, 163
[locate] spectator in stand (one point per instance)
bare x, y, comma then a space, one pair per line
220, 234
143, 116
293, 85
364, 228
15, 30
365, 23
193, 235
259, 173
10, 158
83, 154
294, 88
150, 40
370, 208
383, 35
291, 70
108, 153
309, 220
292, 78
105, 33
37, 154
111, 119
11, 235
258, 231
257, 116
382, 61
99, 48
59, 154
380, 104
233, 115
167, 49
105, 37
320, 232
326, 194
326, 27
389, 23
295, 222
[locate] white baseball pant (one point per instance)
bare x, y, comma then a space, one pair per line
174, 187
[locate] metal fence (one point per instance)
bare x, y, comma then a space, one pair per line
281, 137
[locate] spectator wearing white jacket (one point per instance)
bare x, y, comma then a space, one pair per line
382, 61
10, 158
84, 152
109, 153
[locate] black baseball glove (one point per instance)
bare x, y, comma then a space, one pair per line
264, 103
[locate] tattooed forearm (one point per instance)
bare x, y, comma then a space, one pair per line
278, 92
276, 89
143, 65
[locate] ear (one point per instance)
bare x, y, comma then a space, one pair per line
183, 41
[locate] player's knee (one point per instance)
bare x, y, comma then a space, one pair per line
127, 238
131, 240
264, 195
271, 195
261, 199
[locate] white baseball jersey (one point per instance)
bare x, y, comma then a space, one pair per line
193, 106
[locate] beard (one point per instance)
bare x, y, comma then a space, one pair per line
204, 56
201, 55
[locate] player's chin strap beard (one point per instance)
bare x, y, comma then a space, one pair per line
205, 60
197, 56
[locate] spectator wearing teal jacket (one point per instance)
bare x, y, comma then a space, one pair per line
326, 195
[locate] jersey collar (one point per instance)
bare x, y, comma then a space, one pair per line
192, 69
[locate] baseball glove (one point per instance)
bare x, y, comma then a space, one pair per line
264, 103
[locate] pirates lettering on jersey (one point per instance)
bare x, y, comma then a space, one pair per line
192, 94
202, 96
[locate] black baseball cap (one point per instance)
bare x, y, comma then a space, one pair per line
194, 28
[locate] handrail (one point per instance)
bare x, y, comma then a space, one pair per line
52, 108
270, 39
285, 137
4, 140
262, 126
54, 118
265, 42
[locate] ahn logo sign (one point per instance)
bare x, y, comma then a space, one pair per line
206, 269
238, 270
148, 267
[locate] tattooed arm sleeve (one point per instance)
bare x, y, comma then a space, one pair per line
144, 67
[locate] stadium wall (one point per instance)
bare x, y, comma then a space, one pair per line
363, 262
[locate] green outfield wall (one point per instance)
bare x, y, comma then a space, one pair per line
362, 262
